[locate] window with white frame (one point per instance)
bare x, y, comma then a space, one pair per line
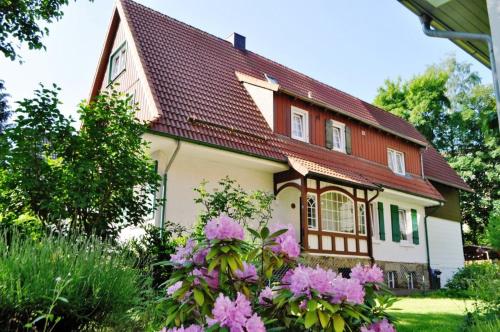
403, 225
117, 62
362, 218
374, 221
391, 279
312, 212
396, 161
411, 278
337, 212
300, 124
338, 140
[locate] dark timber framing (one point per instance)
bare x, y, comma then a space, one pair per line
293, 179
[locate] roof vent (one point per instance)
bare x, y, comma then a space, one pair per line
237, 40
271, 79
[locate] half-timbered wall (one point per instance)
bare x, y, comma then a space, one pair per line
367, 142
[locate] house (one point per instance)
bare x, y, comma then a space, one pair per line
358, 183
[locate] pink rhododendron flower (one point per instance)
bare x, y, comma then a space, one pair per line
224, 228
191, 328
212, 278
266, 296
183, 253
286, 242
347, 290
381, 326
174, 288
248, 274
200, 255
367, 274
235, 315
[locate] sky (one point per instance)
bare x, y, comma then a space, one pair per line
351, 45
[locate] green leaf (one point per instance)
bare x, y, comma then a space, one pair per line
310, 320
312, 305
254, 233
232, 263
212, 253
225, 249
198, 296
213, 264
324, 319
264, 232
338, 323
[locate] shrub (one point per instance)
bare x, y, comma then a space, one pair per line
222, 281
460, 284
67, 282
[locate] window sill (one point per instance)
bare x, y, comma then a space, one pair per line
305, 140
376, 241
407, 245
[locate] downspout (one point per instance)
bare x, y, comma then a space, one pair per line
426, 27
429, 270
370, 235
164, 192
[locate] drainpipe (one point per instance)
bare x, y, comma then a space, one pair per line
426, 27
429, 270
164, 192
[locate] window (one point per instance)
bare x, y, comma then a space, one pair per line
411, 277
396, 161
403, 225
300, 124
362, 218
374, 220
312, 213
117, 62
391, 279
338, 131
337, 212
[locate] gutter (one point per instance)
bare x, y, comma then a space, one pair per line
429, 270
426, 27
164, 191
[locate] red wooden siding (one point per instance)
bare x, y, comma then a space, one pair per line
372, 145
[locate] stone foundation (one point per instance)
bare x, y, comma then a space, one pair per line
400, 270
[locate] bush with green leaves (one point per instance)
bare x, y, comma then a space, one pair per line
224, 280
70, 282
463, 281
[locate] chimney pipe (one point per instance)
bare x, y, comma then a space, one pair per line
237, 40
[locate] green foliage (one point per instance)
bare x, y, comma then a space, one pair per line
465, 279
4, 107
86, 181
23, 21
25, 225
230, 199
457, 114
156, 246
100, 284
494, 227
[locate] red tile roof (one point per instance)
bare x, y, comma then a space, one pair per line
437, 169
192, 75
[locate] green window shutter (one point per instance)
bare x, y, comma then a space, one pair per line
348, 148
328, 134
396, 233
414, 226
381, 223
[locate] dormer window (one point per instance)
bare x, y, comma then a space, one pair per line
396, 161
300, 124
117, 62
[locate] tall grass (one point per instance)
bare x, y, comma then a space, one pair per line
103, 287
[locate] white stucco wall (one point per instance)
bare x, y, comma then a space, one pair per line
408, 252
263, 99
445, 247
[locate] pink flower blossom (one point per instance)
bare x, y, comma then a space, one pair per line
367, 274
266, 296
248, 274
325, 282
183, 254
174, 288
347, 290
212, 278
381, 326
235, 315
224, 228
200, 255
191, 328
286, 242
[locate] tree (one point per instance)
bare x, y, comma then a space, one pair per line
98, 180
494, 227
21, 21
456, 113
4, 107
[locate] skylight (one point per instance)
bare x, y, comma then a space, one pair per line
271, 79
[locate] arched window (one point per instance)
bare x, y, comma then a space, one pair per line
337, 212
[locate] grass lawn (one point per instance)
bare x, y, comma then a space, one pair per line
429, 314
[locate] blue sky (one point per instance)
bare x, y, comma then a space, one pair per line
351, 45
